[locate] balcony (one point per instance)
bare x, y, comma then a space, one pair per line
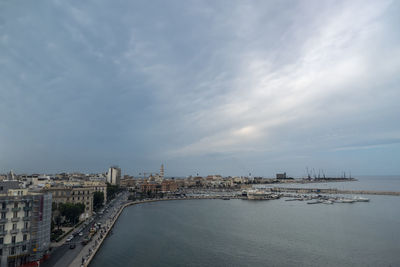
21, 243
25, 230
4, 210
16, 209
27, 208
4, 232
15, 231
3, 220
16, 219
27, 218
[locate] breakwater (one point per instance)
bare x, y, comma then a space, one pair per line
331, 191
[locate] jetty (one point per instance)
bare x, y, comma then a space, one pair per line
331, 191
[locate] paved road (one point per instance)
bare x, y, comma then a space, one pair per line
62, 256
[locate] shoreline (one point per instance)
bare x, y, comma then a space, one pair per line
116, 217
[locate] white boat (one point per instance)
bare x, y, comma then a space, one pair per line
345, 200
361, 199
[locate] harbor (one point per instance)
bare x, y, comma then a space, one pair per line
295, 233
307, 195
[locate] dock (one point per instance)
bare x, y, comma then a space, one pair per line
332, 191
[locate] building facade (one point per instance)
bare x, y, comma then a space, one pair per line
73, 195
25, 223
99, 187
114, 175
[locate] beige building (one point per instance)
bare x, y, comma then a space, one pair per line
73, 195
98, 187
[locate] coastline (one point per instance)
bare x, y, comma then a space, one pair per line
100, 242
116, 217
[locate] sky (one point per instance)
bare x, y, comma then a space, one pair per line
207, 87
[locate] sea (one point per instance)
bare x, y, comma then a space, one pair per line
260, 233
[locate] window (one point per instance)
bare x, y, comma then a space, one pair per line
15, 215
2, 227
25, 237
1, 240
26, 225
13, 239
3, 215
27, 213
1, 251
3, 205
12, 252
24, 248
15, 204
14, 226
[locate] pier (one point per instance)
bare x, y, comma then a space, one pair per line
332, 191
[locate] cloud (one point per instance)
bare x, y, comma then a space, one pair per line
255, 81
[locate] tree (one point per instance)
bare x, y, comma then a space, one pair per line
112, 190
58, 221
98, 200
71, 211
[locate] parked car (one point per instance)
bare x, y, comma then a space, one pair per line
72, 246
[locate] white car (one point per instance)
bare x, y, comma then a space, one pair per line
70, 238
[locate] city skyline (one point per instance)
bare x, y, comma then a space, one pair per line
208, 88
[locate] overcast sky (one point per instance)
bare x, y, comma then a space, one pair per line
208, 87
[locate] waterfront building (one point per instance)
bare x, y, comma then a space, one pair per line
114, 175
128, 182
169, 186
24, 226
98, 187
73, 195
151, 187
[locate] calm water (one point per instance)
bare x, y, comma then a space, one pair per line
255, 233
